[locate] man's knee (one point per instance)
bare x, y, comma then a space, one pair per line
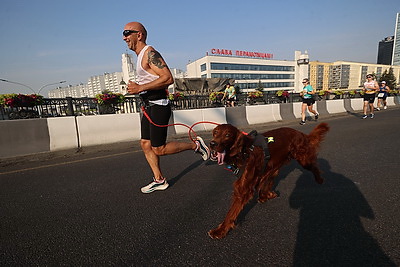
159, 151
145, 144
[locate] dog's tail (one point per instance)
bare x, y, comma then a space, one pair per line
318, 134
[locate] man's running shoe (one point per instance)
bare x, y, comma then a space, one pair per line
385, 107
364, 116
302, 122
372, 116
316, 116
202, 148
155, 185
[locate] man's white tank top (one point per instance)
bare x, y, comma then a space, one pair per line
143, 76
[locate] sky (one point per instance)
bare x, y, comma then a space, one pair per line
48, 41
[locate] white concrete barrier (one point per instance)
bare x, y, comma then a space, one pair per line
335, 106
297, 110
390, 101
217, 115
62, 132
357, 103
71, 132
105, 129
187, 117
192, 116
263, 113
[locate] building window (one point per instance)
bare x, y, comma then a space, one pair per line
266, 85
227, 66
364, 73
203, 67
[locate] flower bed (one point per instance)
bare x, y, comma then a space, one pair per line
21, 100
255, 94
216, 96
176, 96
109, 98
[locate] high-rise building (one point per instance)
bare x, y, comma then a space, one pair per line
128, 68
396, 45
385, 51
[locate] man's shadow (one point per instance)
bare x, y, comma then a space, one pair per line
330, 232
191, 167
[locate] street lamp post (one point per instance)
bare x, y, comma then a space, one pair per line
49, 85
7, 81
4, 80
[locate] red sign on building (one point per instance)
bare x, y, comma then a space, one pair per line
239, 53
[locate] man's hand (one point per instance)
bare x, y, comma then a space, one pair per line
133, 88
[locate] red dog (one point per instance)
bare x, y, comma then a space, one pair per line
232, 146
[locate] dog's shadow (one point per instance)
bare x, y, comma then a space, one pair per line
283, 173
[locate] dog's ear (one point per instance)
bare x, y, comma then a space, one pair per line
237, 146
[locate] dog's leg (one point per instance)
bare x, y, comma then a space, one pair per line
312, 167
267, 181
243, 192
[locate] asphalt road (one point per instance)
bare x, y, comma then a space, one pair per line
86, 208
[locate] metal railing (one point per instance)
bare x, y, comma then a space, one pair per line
60, 107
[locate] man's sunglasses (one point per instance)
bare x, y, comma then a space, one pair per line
126, 33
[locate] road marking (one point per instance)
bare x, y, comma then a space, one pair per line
69, 162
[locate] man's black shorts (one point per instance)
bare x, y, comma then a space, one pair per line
159, 115
369, 97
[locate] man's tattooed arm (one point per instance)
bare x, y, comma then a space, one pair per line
156, 59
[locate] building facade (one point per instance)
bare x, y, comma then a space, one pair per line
345, 75
75, 91
251, 70
396, 44
385, 51
113, 82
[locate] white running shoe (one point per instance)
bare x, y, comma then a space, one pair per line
155, 185
202, 148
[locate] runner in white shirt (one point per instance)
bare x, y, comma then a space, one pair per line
154, 77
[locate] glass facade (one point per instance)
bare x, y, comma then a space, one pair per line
229, 66
203, 67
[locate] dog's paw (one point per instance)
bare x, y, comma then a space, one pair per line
267, 196
217, 233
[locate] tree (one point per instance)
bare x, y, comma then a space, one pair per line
389, 78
